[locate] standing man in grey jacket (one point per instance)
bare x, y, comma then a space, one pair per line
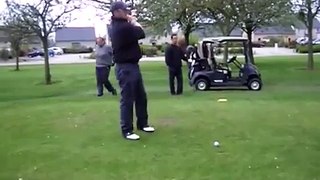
103, 65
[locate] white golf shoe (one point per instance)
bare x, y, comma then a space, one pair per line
132, 136
148, 129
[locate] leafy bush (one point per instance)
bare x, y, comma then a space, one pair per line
304, 48
292, 44
235, 50
193, 39
77, 50
4, 54
159, 47
235, 44
149, 50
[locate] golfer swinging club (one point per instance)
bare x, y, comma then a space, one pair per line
125, 34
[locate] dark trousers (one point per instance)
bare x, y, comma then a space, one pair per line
132, 94
175, 74
102, 76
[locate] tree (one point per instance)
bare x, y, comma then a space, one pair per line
188, 16
17, 34
225, 16
257, 13
43, 18
307, 12
103, 5
162, 15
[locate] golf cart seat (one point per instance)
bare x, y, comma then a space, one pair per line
221, 69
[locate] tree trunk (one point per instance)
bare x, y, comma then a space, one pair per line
310, 64
17, 54
187, 34
46, 61
17, 63
250, 49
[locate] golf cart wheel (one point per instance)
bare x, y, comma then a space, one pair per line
255, 84
201, 84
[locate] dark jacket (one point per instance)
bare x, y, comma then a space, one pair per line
124, 37
174, 55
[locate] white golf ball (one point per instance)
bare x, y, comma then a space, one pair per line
216, 143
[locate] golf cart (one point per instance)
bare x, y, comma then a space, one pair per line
205, 72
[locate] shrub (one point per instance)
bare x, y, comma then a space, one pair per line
159, 47
149, 50
304, 48
164, 47
193, 39
235, 44
235, 50
4, 54
292, 45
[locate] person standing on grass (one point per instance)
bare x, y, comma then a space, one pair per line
125, 34
173, 56
104, 62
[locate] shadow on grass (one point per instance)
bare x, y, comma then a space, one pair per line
229, 89
306, 69
52, 83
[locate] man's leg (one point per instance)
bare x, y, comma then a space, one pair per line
179, 81
171, 81
126, 84
141, 105
99, 78
107, 82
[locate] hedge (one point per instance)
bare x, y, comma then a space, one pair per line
6, 54
304, 48
231, 50
77, 50
149, 50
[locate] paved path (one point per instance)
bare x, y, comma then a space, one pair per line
79, 59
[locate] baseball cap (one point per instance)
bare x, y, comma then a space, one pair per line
118, 5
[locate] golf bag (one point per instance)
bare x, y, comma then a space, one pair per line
196, 62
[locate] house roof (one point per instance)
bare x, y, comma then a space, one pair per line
274, 30
300, 25
75, 34
209, 30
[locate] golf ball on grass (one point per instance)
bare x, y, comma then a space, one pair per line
216, 144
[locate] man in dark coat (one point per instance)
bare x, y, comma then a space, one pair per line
173, 56
125, 34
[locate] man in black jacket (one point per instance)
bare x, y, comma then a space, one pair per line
125, 34
173, 56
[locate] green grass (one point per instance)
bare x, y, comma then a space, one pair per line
271, 134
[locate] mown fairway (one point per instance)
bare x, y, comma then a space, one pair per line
63, 131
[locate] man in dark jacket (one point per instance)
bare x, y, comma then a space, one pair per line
125, 34
173, 56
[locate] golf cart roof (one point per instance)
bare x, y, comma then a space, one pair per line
225, 39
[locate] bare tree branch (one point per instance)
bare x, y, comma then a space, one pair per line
43, 18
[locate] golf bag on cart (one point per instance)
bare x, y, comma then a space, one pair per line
196, 62
203, 59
